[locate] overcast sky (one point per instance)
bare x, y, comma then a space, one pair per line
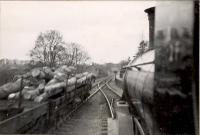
109, 30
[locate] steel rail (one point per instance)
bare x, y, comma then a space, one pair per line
112, 105
95, 91
139, 127
108, 102
112, 89
89, 97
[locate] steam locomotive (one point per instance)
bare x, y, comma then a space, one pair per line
161, 85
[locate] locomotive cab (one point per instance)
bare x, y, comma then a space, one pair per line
160, 85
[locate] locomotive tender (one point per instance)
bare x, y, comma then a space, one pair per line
161, 86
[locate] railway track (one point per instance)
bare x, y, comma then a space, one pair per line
90, 117
110, 95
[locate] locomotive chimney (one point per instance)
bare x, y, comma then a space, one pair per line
151, 17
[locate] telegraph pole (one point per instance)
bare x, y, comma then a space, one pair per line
76, 56
76, 59
76, 68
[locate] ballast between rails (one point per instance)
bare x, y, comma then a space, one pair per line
89, 97
112, 89
99, 88
108, 102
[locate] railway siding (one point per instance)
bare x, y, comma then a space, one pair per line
91, 117
87, 119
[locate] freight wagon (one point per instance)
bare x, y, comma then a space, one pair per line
33, 117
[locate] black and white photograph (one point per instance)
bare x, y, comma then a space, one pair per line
99, 67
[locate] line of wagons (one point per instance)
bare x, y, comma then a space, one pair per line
40, 117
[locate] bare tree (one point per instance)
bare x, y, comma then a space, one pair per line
51, 50
73, 53
47, 47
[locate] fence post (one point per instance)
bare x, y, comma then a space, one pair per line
66, 87
20, 93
